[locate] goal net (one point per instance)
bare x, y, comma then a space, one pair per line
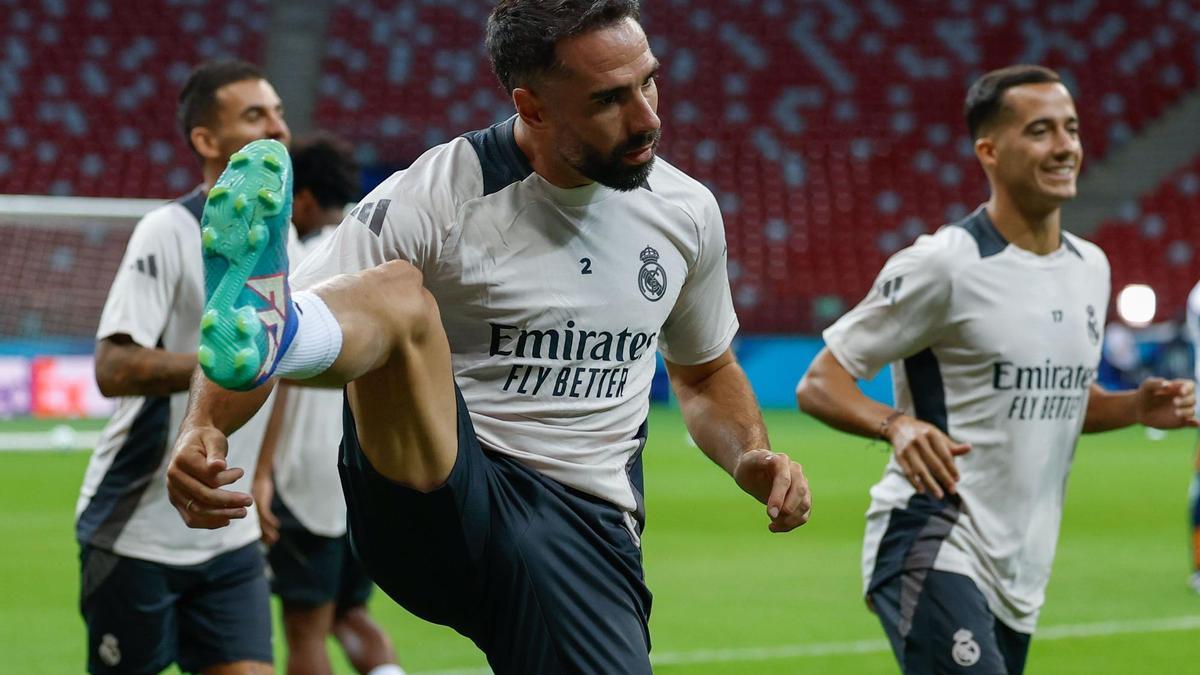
58, 258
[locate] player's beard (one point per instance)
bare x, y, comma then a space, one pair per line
611, 169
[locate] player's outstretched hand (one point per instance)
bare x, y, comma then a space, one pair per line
926, 455
775, 480
1167, 404
263, 491
196, 475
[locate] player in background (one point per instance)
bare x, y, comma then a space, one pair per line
493, 311
1193, 329
154, 592
322, 586
993, 328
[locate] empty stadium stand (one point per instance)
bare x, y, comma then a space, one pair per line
830, 131
88, 90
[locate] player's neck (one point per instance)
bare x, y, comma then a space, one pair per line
211, 173
544, 162
1038, 231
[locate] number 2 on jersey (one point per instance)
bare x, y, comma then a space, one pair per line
587, 265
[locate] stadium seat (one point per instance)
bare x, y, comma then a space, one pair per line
1154, 241
93, 114
830, 132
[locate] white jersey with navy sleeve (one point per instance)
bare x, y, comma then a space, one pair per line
1193, 325
157, 298
998, 347
306, 450
554, 300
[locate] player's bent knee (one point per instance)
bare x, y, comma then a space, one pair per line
399, 296
398, 272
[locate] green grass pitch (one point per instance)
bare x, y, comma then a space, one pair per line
729, 596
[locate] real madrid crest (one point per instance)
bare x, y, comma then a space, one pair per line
109, 650
652, 278
966, 651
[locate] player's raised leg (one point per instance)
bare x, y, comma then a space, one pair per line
396, 358
379, 329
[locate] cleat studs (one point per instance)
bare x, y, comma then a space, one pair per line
205, 356
238, 159
208, 236
257, 235
272, 163
208, 321
245, 357
247, 321
217, 193
268, 199
239, 204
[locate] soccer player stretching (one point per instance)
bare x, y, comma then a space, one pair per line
494, 311
993, 325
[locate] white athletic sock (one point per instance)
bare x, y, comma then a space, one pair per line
388, 669
317, 342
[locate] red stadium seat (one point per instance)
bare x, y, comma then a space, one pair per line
843, 121
102, 78
1156, 243
830, 132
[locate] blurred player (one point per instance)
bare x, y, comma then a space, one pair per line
155, 592
993, 327
1193, 328
495, 319
323, 587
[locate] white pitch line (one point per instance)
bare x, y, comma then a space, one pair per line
47, 441
754, 654
1118, 628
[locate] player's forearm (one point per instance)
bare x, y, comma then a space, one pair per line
266, 456
722, 415
129, 369
829, 393
1108, 410
213, 406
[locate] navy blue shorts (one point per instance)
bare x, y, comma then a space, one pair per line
311, 570
938, 622
143, 616
543, 578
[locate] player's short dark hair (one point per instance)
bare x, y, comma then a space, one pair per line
985, 98
198, 99
324, 165
522, 34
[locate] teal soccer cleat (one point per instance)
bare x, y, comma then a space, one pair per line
248, 319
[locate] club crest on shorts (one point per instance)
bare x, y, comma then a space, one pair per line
652, 278
109, 650
966, 650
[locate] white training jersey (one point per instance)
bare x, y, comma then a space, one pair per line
554, 300
998, 347
306, 451
157, 298
1193, 325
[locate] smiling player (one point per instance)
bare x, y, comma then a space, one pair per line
993, 326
